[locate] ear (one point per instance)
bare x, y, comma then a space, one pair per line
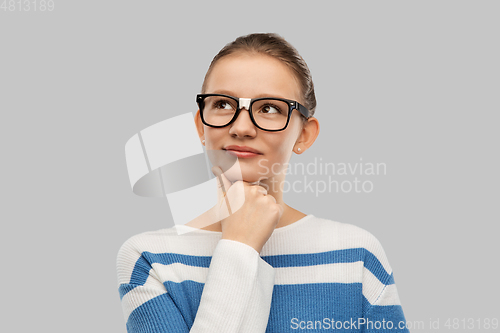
308, 135
199, 125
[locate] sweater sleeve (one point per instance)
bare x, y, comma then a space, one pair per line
382, 308
236, 295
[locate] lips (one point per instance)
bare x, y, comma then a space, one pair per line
242, 149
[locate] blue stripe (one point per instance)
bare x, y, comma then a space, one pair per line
143, 265
339, 302
312, 259
332, 257
125, 288
186, 296
375, 314
158, 315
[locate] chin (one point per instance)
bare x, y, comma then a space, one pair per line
251, 173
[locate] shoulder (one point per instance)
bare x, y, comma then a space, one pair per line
169, 240
345, 236
145, 241
346, 233
133, 255
133, 248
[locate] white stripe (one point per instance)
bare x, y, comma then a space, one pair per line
125, 263
372, 288
329, 273
178, 272
390, 296
140, 295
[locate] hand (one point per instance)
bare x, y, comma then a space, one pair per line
257, 216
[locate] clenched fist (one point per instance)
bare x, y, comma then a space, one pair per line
255, 219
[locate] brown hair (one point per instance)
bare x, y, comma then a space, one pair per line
276, 46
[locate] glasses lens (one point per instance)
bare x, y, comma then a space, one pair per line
270, 114
219, 110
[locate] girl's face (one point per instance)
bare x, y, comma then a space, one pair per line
252, 76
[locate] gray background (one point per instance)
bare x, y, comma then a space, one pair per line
414, 85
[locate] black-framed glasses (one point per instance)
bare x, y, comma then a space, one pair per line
267, 113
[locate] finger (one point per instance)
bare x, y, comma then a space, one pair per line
223, 183
262, 189
273, 199
257, 185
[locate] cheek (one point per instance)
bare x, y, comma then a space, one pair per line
286, 140
285, 143
282, 146
213, 137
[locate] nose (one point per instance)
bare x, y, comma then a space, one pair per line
243, 125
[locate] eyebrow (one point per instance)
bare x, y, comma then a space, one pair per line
226, 92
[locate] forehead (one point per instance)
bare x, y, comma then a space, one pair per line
253, 75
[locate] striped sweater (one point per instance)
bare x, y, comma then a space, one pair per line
312, 275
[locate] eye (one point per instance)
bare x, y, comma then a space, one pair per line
223, 104
270, 109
